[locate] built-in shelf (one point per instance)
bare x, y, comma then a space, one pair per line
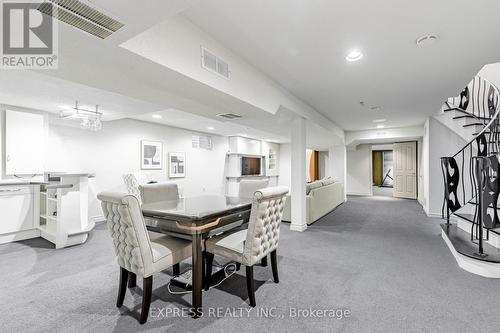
62, 219
242, 154
250, 176
48, 217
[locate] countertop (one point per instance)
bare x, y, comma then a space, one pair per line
7, 182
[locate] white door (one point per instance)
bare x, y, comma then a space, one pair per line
405, 170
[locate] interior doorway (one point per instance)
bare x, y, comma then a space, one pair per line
405, 170
382, 170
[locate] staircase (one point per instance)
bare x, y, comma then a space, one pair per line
471, 184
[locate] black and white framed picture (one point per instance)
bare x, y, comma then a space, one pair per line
177, 165
151, 155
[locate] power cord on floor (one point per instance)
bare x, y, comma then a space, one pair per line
231, 265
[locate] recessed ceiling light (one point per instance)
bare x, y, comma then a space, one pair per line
426, 40
379, 120
380, 126
157, 116
354, 55
210, 128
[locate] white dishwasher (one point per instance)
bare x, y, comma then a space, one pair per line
16, 208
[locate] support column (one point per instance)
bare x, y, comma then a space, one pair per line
337, 165
298, 184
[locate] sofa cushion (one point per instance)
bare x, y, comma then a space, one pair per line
328, 181
313, 185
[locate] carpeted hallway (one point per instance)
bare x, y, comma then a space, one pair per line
378, 257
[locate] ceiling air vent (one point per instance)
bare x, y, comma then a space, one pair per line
229, 116
202, 141
214, 64
81, 16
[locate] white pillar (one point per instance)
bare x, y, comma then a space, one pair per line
337, 167
298, 183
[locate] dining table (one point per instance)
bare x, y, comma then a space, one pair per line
197, 218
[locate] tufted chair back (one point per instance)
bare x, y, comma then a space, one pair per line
249, 186
159, 192
128, 230
264, 225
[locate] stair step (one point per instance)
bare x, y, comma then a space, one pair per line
463, 245
455, 109
467, 217
469, 116
473, 124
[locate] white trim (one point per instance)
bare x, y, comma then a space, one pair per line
434, 215
478, 267
19, 235
298, 227
367, 194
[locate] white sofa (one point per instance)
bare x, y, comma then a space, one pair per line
322, 197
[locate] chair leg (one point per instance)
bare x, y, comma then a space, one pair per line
208, 272
122, 287
263, 262
250, 286
176, 269
131, 280
147, 290
274, 266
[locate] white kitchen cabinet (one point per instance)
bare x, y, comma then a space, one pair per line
17, 208
25, 137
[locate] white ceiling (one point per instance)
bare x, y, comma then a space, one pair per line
302, 45
33, 90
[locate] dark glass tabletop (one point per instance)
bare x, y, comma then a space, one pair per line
196, 208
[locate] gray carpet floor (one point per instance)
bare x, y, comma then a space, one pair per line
378, 257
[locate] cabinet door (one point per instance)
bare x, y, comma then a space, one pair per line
16, 205
25, 138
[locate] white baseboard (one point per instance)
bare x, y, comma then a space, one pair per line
360, 194
298, 227
434, 215
20, 235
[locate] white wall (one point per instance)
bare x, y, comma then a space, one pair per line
359, 166
424, 201
383, 135
440, 141
285, 165
115, 150
322, 164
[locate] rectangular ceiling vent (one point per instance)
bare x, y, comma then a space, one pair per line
229, 116
81, 16
214, 64
202, 141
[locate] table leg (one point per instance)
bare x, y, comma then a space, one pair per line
197, 276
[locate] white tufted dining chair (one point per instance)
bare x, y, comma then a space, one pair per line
136, 253
248, 187
159, 192
250, 245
